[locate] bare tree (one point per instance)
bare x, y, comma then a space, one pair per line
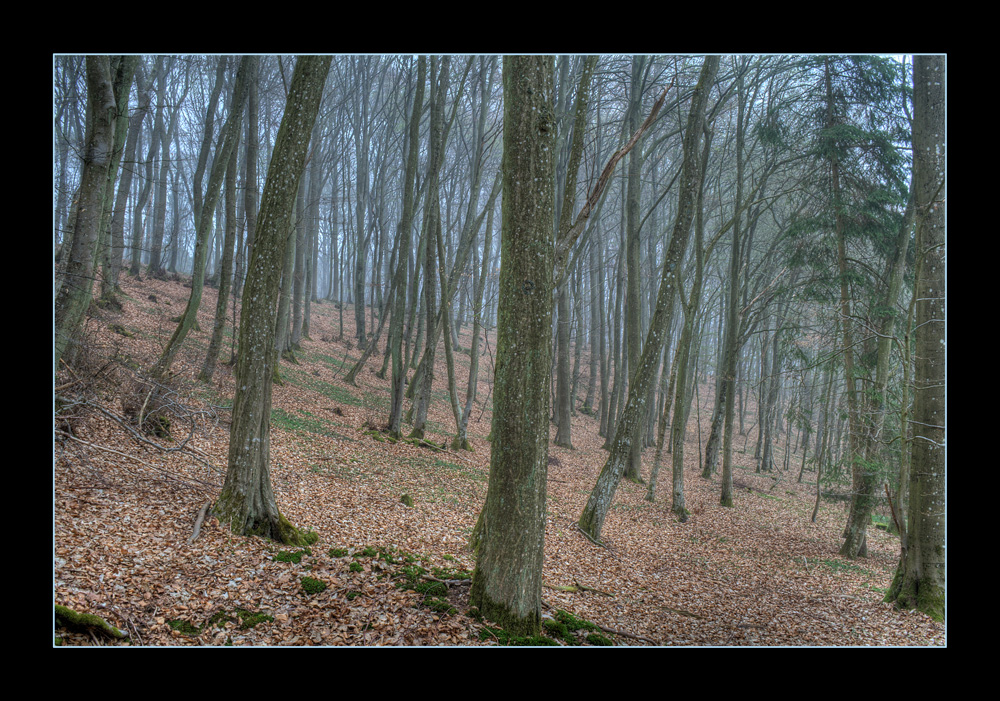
247, 500
920, 580
77, 287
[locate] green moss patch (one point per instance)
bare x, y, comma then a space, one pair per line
304, 422
564, 626
506, 639
296, 556
243, 618
312, 586
451, 573
185, 627
300, 378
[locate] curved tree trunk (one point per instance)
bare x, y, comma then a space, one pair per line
231, 132
225, 273
633, 413
247, 500
77, 288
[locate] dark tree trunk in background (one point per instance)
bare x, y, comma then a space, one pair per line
633, 412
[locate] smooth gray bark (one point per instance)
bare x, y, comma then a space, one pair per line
507, 582
633, 412
920, 581
247, 501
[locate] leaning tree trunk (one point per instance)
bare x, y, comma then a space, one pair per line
633, 413
461, 436
225, 273
231, 132
247, 500
77, 288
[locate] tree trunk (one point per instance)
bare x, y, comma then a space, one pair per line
461, 437
123, 68
432, 225
678, 428
733, 334
564, 400
403, 258
77, 287
247, 500
862, 477
633, 306
231, 132
225, 273
920, 580
250, 178
138, 224
633, 412
124, 190
510, 535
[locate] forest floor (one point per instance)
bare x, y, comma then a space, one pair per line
125, 507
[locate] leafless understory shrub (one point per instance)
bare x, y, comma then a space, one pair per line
101, 381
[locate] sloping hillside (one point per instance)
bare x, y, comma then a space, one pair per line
127, 498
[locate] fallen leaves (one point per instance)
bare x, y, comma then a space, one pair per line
125, 517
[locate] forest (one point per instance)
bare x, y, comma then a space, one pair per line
499, 350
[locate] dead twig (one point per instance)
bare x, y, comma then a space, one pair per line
590, 538
682, 612
625, 634
198, 521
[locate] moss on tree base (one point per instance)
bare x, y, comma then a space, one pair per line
529, 624
280, 530
908, 594
462, 444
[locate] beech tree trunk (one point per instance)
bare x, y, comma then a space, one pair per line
225, 273
509, 539
110, 285
403, 258
231, 132
77, 287
920, 580
633, 413
247, 500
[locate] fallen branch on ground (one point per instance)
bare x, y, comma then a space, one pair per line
575, 588
682, 612
75, 619
198, 521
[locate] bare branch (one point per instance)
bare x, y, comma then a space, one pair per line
566, 241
